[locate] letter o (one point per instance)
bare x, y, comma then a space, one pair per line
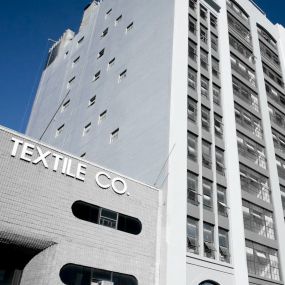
120, 192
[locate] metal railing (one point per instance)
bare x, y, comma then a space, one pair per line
244, 74
256, 130
277, 98
246, 97
254, 156
238, 13
277, 119
256, 189
241, 31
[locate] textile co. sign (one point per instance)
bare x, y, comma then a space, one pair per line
58, 163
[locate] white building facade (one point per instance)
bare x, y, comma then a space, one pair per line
188, 97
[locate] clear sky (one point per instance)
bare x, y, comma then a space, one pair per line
25, 27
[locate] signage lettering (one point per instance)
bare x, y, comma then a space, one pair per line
35, 155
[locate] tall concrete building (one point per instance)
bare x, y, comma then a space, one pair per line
188, 97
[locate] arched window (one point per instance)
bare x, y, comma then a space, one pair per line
208, 282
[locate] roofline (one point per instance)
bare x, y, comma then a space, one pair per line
2, 128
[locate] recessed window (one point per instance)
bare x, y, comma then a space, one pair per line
59, 130
96, 76
66, 54
65, 105
130, 27
80, 40
70, 82
101, 53
114, 136
118, 20
122, 75
71, 273
83, 154
75, 61
92, 101
111, 63
108, 13
86, 129
102, 117
104, 33
105, 217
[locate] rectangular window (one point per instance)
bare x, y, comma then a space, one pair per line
104, 33
80, 40
222, 201
111, 63
192, 23
204, 59
192, 110
214, 42
192, 146
207, 194
215, 68
122, 75
96, 76
65, 105
209, 246
192, 235
108, 13
220, 163
204, 86
108, 218
216, 95
192, 188
193, 4
192, 50
92, 101
262, 261
213, 21
205, 118
258, 220
59, 130
206, 154
114, 135
224, 245
203, 12
218, 126
70, 82
204, 34
75, 61
192, 78
118, 20
130, 27
86, 129
102, 117
101, 53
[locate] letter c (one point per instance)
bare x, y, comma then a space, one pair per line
104, 186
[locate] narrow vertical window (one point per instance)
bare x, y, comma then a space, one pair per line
130, 27
86, 129
108, 13
114, 136
101, 53
65, 105
96, 76
59, 130
102, 117
92, 101
122, 75
104, 33
118, 20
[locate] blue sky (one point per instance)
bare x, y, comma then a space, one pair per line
25, 27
